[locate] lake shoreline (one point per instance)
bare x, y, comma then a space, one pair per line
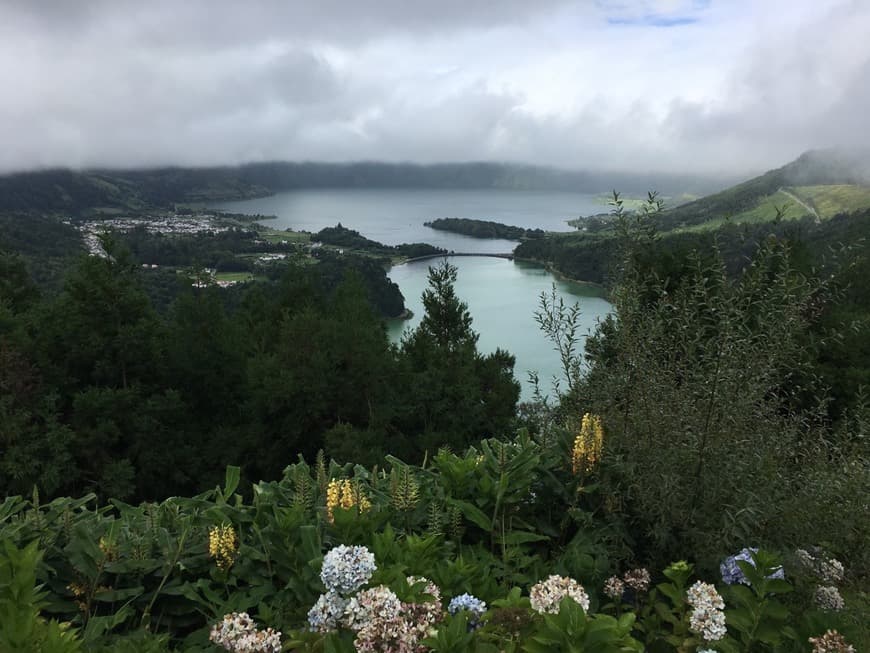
599, 290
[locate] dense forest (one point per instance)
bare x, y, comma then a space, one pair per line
103, 393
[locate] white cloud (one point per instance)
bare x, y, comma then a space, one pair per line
674, 85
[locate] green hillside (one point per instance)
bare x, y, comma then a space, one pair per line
822, 202
68, 192
829, 200
812, 189
757, 199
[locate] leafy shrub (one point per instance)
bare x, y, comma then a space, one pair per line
21, 602
716, 434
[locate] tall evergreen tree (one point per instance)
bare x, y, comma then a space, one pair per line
454, 395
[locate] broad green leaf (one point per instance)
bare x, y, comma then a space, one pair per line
522, 537
474, 514
231, 480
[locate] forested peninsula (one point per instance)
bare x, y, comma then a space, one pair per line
484, 228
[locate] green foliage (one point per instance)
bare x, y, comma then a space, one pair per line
758, 618
100, 392
717, 435
447, 321
21, 601
119, 568
453, 635
143, 577
560, 324
664, 619
572, 631
582, 256
704, 388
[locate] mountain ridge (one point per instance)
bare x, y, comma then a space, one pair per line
65, 190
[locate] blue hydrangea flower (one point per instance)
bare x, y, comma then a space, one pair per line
731, 572
347, 568
470, 603
326, 612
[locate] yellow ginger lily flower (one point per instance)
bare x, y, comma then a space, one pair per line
222, 545
588, 444
345, 494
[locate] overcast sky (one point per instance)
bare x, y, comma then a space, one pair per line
674, 85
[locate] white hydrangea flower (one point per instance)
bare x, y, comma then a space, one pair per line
828, 598
707, 618
238, 634
708, 622
375, 603
637, 579
614, 587
546, 595
831, 570
704, 594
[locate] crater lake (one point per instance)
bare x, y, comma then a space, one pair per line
502, 295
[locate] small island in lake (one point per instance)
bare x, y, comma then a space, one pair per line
340, 236
484, 229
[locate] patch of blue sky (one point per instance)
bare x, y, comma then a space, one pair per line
653, 13
654, 21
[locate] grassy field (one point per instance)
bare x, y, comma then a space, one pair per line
833, 199
827, 200
233, 276
631, 203
628, 203
275, 236
764, 211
